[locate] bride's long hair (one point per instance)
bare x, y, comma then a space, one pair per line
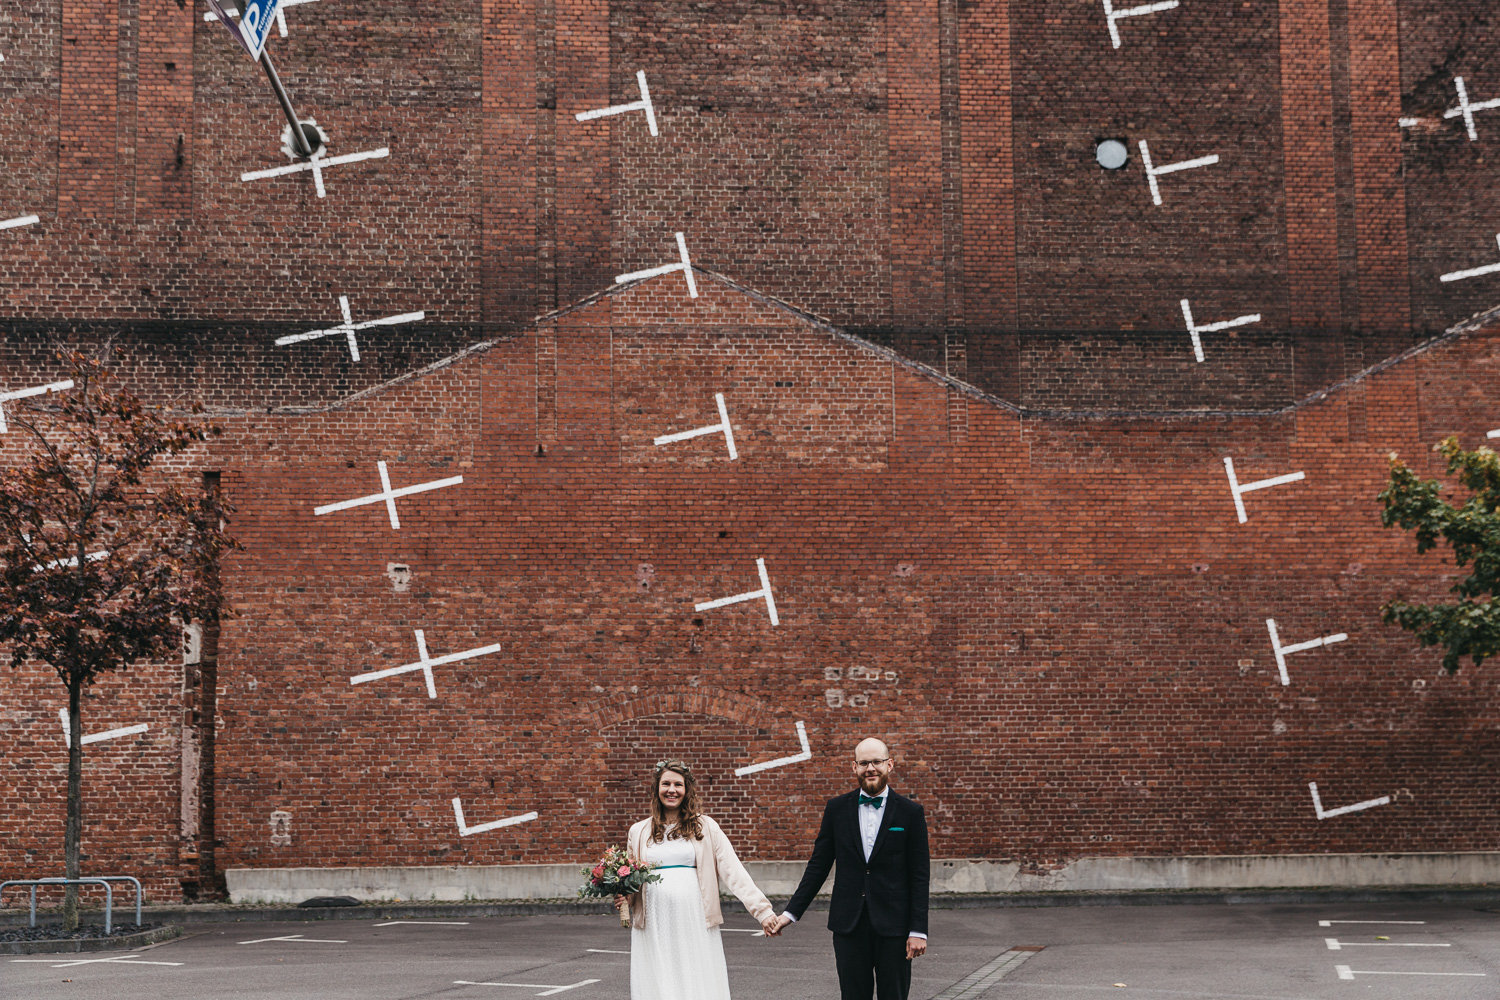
689, 818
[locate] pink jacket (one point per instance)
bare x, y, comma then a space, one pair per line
716, 863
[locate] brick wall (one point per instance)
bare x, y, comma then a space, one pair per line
1030, 576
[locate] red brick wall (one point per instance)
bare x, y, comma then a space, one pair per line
1053, 573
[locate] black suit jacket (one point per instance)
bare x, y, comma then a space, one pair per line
892, 885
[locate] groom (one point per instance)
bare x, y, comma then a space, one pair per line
879, 911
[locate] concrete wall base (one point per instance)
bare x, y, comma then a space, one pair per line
779, 878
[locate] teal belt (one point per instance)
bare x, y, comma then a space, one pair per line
676, 866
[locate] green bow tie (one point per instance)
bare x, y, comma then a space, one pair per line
869, 800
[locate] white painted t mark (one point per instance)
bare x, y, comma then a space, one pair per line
36, 390
1473, 272
108, 734
1322, 813
1195, 331
684, 265
349, 327
18, 221
1153, 172
547, 990
795, 758
317, 164
425, 663
722, 425
464, 830
1111, 15
644, 104
280, 13
764, 591
388, 495
1465, 109
1262, 484
1282, 651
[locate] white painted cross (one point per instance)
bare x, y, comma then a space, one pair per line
1345, 972
348, 327
297, 939
317, 163
795, 758
388, 495
108, 734
644, 104
1281, 650
764, 591
70, 962
1263, 484
685, 266
37, 390
464, 830
1153, 172
20, 220
425, 663
547, 990
1473, 272
1334, 944
1341, 810
1111, 15
1465, 110
1194, 331
722, 425
70, 562
280, 13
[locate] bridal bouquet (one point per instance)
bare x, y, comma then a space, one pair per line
617, 874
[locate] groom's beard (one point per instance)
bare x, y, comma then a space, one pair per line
873, 784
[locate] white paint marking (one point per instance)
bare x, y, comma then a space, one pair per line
70, 562
1334, 944
36, 390
742, 930
644, 104
684, 265
606, 951
108, 734
388, 495
348, 327
1330, 813
547, 990
468, 831
722, 425
1262, 484
1347, 973
20, 220
1111, 15
317, 164
764, 591
1153, 172
297, 939
796, 758
1465, 110
1281, 650
1473, 272
115, 959
1194, 331
1330, 923
1493, 434
425, 663
425, 923
280, 13
1409, 122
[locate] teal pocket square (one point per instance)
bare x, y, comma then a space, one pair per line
898, 829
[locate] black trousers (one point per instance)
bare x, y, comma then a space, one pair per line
871, 965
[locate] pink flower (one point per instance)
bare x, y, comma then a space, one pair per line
598, 870
624, 870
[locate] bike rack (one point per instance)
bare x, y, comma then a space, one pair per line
104, 880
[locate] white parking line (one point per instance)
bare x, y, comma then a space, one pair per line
607, 951
1347, 973
1330, 923
298, 939
427, 923
547, 990
1334, 944
116, 959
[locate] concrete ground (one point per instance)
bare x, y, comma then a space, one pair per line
1377, 950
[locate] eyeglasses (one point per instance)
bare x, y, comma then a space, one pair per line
862, 764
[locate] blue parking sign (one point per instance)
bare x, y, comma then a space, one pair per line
254, 25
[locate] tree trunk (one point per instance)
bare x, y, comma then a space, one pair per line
75, 804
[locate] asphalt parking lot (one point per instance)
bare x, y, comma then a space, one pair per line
1418, 951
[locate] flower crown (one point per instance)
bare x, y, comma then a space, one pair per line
673, 765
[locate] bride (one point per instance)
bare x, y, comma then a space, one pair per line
676, 952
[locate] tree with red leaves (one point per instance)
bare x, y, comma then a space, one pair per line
103, 559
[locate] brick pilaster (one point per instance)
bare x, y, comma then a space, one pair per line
914, 141
508, 272
164, 112
86, 131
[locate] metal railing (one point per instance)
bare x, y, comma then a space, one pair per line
104, 880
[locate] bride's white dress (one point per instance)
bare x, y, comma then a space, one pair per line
676, 956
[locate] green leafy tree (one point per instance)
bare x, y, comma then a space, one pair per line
103, 559
1471, 626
